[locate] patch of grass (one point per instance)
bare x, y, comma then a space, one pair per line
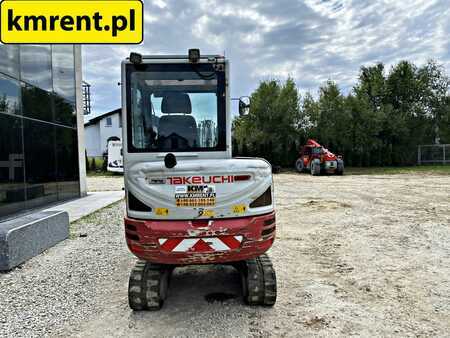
99, 162
103, 174
425, 169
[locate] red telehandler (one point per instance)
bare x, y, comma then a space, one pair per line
319, 160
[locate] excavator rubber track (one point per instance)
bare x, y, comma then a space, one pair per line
148, 284
259, 283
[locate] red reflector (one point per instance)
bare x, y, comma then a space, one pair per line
242, 178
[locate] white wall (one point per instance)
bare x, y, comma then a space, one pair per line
92, 140
107, 132
97, 135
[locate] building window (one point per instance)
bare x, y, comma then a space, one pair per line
37, 103
65, 111
67, 163
63, 67
36, 65
108, 122
9, 60
12, 185
40, 163
9, 95
38, 131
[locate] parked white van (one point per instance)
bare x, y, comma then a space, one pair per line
115, 158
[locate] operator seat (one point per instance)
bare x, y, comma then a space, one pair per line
177, 128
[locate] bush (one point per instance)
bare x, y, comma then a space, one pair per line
87, 161
93, 165
105, 165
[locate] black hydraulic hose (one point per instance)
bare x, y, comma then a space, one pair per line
203, 76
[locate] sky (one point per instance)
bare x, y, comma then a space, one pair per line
311, 41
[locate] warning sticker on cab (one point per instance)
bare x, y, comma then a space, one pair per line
195, 196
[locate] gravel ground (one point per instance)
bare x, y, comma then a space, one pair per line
355, 255
105, 183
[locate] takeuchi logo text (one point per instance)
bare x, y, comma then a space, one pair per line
200, 180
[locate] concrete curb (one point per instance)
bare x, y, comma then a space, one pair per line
28, 236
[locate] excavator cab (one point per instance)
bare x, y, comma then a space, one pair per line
188, 200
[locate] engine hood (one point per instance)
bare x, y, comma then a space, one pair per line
232, 183
329, 156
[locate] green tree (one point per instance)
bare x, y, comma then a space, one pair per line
367, 106
405, 123
273, 122
334, 119
435, 99
380, 122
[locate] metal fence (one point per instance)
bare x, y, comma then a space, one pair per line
436, 153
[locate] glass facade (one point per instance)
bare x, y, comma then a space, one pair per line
38, 135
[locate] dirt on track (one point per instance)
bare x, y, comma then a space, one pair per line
354, 255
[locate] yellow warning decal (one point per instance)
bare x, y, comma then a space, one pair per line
162, 212
239, 209
207, 213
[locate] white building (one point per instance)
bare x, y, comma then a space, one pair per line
101, 129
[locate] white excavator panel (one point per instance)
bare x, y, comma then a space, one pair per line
173, 108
